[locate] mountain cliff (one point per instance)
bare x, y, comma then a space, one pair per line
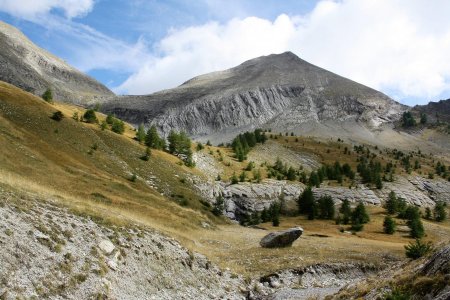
33, 69
281, 92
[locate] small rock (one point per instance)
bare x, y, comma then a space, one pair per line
112, 264
106, 246
275, 284
283, 238
205, 225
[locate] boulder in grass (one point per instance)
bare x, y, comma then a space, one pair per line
281, 239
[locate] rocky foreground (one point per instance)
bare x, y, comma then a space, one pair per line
49, 252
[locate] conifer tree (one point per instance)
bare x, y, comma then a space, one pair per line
440, 213
359, 214
389, 225
140, 134
152, 138
346, 212
48, 95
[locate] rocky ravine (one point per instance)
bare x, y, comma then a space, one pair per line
280, 92
33, 69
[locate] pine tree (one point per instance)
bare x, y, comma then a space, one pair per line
345, 211
440, 213
391, 203
242, 176
359, 215
314, 179
152, 138
306, 201
326, 207
140, 134
389, 225
417, 230
275, 210
48, 95
291, 174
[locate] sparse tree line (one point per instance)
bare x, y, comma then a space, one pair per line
178, 143
242, 144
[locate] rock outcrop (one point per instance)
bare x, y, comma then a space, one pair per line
435, 111
282, 92
33, 69
244, 198
281, 239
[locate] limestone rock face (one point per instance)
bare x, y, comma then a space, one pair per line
33, 69
280, 92
281, 239
244, 198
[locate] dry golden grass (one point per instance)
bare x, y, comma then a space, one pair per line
238, 247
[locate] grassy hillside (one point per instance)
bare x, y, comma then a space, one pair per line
89, 170
89, 167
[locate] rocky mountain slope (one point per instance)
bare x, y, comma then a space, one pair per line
281, 92
435, 110
48, 252
33, 69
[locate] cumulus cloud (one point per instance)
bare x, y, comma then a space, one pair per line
400, 46
32, 9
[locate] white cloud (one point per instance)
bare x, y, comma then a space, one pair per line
393, 45
32, 9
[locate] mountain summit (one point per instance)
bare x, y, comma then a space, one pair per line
33, 69
279, 91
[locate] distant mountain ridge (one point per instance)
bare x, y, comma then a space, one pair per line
279, 91
436, 110
33, 69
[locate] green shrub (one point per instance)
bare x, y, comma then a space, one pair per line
357, 227
118, 126
146, 156
234, 179
133, 178
396, 294
48, 95
417, 249
57, 116
90, 116
218, 206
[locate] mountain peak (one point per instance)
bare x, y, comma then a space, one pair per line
33, 69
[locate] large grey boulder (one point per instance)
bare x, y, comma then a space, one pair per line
281, 239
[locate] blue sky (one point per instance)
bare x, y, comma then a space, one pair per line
136, 47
